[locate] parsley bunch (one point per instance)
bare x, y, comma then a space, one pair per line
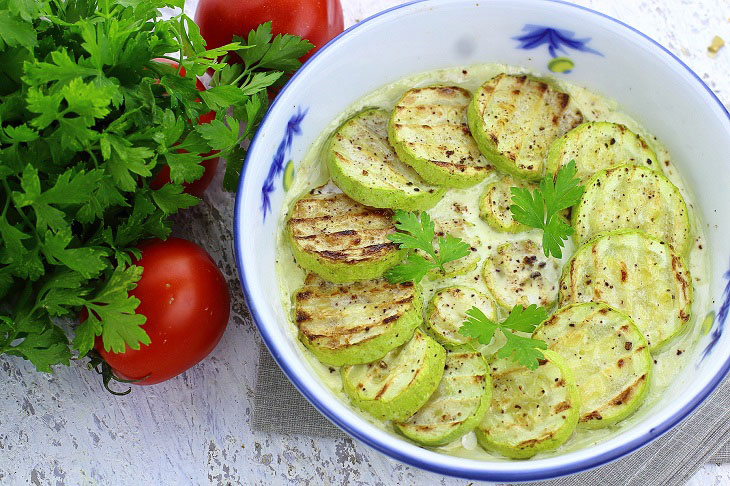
87, 118
520, 349
541, 208
418, 234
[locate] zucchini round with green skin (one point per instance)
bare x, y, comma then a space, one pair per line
632, 197
599, 145
636, 274
458, 404
519, 273
495, 202
458, 227
396, 386
515, 118
340, 239
609, 358
447, 312
355, 323
363, 164
429, 132
531, 410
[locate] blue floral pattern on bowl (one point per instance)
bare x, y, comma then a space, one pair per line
720, 318
556, 40
293, 127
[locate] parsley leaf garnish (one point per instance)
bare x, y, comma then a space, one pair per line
88, 117
520, 349
418, 234
541, 207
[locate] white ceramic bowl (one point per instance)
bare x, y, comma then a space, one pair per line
609, 57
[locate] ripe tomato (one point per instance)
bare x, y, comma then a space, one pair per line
187, 304
316, 20
196, 188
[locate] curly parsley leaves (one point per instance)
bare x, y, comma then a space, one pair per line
520, 349
418, 234
541, 208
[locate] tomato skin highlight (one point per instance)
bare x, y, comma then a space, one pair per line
186, 301
316, 20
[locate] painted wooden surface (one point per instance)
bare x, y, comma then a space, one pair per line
63, 428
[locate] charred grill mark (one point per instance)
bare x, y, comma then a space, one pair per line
304, 295
623, 396
563, 100
594, 415
562, 406
302, 317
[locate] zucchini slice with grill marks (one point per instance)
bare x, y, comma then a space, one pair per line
632, 197
429, 132
458, 404
515, 118
363, 164
495, 202
519, 273
599, 145
531, 410
396, 386
340, 239
358, 322
636, 274
609, 358
447, 312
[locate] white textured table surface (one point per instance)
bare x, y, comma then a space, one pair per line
195, 429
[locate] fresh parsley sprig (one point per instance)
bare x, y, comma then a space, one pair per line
418, 234
541, 207
520, 349
88, 117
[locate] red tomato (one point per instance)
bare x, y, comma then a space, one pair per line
196, 188
315, 20
187, 304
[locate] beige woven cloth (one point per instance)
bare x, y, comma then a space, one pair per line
670, 460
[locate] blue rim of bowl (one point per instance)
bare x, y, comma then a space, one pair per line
467, 473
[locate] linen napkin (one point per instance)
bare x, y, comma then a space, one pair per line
672, 459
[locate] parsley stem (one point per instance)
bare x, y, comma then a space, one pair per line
7, 200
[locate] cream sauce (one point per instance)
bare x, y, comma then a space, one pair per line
312, 172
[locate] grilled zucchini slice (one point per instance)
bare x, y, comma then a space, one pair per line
339, 239
396, 386
515, 118
447, 312
363, 164
495, 202
608, 356
458, 404
636, 274
429, 132
632, 197
531, 410
358, 322
520, 274
599, 145
460, 228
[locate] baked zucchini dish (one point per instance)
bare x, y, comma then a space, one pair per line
492, 264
